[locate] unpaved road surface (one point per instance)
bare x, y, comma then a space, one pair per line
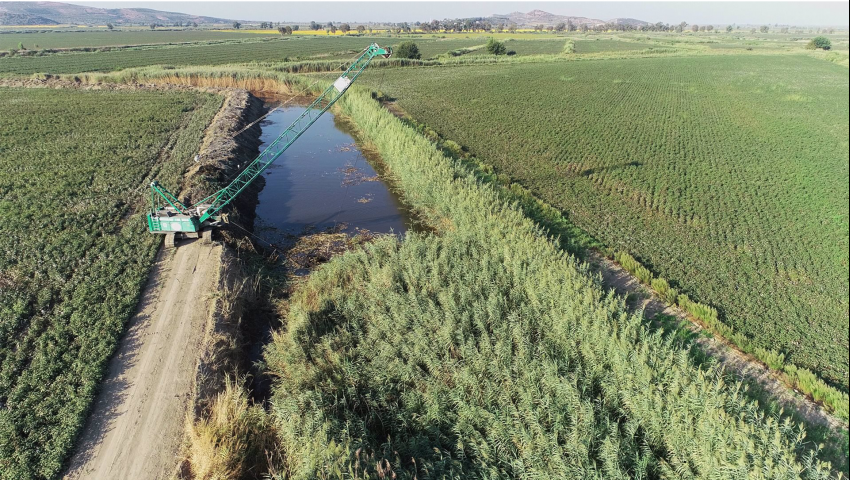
137, 422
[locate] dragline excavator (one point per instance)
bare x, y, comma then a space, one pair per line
171, 217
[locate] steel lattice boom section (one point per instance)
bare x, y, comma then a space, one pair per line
177, 217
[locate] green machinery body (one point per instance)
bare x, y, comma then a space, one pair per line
170, 216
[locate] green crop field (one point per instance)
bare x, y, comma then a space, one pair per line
727, 175
73, 256
274, 50
603, 45
433, 47
62, 39
536, 47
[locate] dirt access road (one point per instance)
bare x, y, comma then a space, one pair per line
137, 422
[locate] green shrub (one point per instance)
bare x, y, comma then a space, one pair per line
407, 50
819, 42
495, 47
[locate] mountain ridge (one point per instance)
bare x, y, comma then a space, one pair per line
541, 17
57, 13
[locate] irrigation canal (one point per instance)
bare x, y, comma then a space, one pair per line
323, 182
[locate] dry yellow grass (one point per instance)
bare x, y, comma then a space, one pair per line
232, 439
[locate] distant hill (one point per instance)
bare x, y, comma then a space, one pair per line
628, 21
539, 17
52, 13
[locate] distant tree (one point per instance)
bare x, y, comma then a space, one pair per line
709, 27
694, 28
512, 28
315, 26
153, 26
495, 47
571, 27
764, 29
407, 50
332, 28
344, 28
560, 27
237, 25
702, 28
550, 29
783, 30
110, 26
819, 42
361, 29
295, 28
729, 28
370, 29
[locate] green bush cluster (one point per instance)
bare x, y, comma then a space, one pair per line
495, 47
407, 50
820, 42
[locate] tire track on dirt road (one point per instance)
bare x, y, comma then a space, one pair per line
136, 426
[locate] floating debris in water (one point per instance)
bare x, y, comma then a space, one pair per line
355, 176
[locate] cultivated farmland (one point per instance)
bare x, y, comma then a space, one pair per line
275, 49
481, 347
62, 39
603, 45
727, 175
242, 51
74, 253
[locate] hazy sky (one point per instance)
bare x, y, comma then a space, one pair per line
793, 13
